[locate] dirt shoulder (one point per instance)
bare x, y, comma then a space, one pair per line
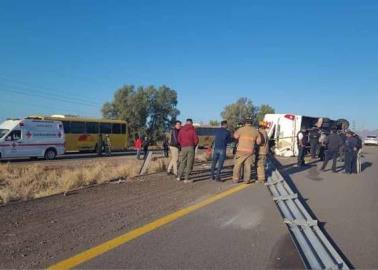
38, 233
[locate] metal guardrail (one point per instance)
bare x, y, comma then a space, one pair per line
315, 249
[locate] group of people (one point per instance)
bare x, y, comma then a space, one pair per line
139, 145
251, 150
104, 145
344, 145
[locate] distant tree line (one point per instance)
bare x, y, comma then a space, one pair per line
151, 111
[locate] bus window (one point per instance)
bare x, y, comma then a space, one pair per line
92, 128
77, 127
123, 129
206, 131
106, 128
116, 128
67, 127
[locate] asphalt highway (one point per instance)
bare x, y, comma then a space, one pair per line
345, 205
145, 223
243, 231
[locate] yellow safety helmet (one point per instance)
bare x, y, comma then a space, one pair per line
263, 124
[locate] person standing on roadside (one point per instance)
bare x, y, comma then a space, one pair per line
146, 144
357, 163
222, 138
174, 148
99, 145
248, 136
165, 147
314, 141
108, 145
343, 137
302, 140
333, 142
188, 140
262, 152
138, 145
351, 145
322, 145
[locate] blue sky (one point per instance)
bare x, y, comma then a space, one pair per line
306, 57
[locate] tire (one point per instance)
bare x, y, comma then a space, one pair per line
50, 154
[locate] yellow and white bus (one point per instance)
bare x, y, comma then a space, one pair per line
206, 135
83, 134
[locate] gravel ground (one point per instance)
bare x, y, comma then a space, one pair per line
37, 233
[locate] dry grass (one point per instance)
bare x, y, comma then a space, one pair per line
35, 181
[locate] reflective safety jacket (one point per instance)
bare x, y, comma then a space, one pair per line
248, 136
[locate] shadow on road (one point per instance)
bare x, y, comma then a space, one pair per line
205, 174
366, 165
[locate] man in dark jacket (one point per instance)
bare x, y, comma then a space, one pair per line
222, 138
357, 163
146, 144
188, 141
174, 147
351, 148
333, 142
314, 141
343, 137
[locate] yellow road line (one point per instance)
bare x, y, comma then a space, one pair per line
122, 239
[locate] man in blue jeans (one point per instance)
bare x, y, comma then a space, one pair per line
222, 138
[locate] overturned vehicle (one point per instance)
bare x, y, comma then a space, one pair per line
283, 130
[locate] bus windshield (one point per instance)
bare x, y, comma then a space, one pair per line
3, 132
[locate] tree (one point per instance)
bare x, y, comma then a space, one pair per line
243, 108
163, 111
148, 111
237, 112
214, 123
262, 111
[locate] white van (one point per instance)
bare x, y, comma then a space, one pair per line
284, 128
28, 138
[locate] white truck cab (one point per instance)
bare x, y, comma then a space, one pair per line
30, 138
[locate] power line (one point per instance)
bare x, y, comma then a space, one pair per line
48, 97
45, 90
50, 107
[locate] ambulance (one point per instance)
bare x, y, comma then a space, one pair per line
30, 138
284, 128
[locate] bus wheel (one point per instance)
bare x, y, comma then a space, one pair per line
50, 154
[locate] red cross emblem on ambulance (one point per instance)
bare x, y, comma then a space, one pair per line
28, 134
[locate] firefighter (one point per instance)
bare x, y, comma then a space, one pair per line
235, 144
248, 136
263, 150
